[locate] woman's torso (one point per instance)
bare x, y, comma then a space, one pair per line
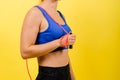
56, 58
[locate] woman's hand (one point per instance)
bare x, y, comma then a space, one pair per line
68, 39
71, 39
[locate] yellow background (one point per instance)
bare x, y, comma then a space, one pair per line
96, 23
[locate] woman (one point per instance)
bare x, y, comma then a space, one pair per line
45, 35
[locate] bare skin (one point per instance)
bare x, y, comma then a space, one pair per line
35, 22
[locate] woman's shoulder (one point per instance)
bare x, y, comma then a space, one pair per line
35, 12
34, 16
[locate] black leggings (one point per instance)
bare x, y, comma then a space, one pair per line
54, 73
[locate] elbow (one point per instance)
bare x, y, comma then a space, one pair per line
24, 54
25, 51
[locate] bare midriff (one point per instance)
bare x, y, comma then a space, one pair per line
54, 59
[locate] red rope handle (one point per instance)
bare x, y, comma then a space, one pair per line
28, 70
65, 44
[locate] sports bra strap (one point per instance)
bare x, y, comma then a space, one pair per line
61, 16
44, 13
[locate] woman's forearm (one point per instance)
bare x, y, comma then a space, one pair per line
40, 49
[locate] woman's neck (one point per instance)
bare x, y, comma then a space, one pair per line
50, 4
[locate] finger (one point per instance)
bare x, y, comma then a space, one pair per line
72, 38
72, 35
71, 41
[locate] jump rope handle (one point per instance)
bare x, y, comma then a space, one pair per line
70, 46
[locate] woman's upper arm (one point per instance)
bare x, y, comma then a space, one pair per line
30, 28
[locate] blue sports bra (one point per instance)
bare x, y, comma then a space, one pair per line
53, 32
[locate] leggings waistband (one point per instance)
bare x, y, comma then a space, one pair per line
61, 68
